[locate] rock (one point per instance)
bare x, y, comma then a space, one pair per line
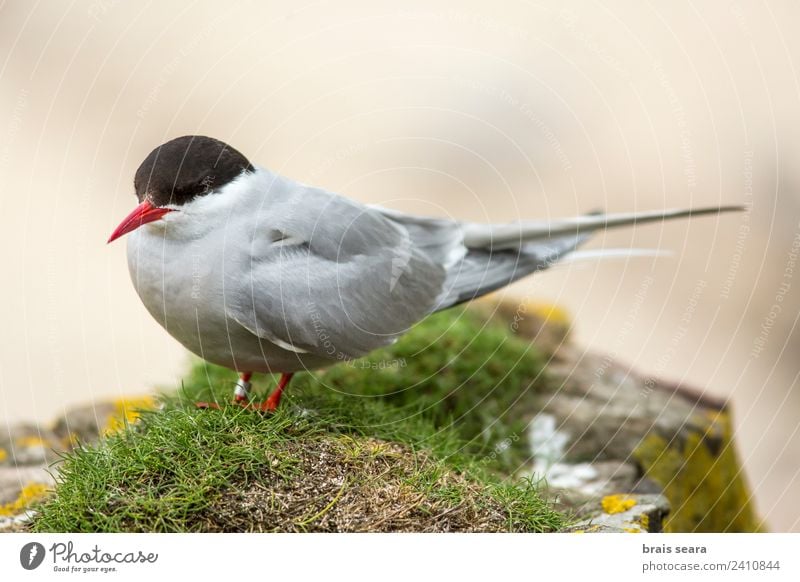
673, 440
20, 487
626, 514
27, 444
545, 324
701, 476
595, 427
30, 454
87, 423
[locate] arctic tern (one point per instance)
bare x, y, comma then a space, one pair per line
259, 273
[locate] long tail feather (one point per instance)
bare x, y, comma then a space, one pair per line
505, 236
591, 255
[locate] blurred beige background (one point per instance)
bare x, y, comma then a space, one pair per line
532, 110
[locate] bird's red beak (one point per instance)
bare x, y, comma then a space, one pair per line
142, 214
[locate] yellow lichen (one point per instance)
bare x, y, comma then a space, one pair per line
126, 411
31, 441
30, 493
70, 440
644, 519
3, 455
617, 503
632, 530
702, 479
549, 312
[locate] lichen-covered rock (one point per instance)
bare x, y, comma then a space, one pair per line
19, 488
701, 477
672, 440
625, 513
27, 444
30, 454
546, 324
87, 423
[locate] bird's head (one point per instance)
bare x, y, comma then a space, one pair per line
176, 173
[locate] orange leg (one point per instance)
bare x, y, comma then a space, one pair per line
241, 395
271, 403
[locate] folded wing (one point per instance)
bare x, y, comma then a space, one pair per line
329, 276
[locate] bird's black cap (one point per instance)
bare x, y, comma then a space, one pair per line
186, 167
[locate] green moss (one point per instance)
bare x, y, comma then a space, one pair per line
459, 371
703, 483
442, 394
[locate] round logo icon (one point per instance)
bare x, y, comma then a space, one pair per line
31, 555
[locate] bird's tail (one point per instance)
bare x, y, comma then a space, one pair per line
498, 255
514, 235
622, 253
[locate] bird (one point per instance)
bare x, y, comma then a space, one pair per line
260, 273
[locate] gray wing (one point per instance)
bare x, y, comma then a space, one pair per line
476, 268
329, 276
